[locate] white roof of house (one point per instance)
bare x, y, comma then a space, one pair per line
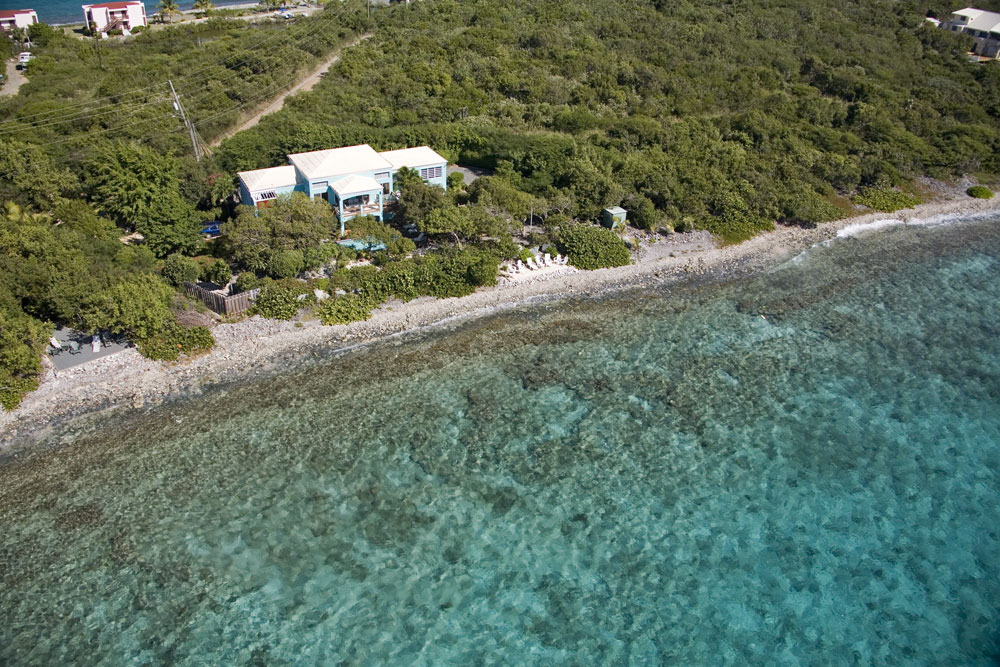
355, 185
979, 19
338, 161
421, 156
268, 179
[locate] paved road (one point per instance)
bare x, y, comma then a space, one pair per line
81, 352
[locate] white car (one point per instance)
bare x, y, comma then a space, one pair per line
24, 58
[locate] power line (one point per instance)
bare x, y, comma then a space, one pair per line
187, 122
279, 39
267, 92
115, 99
96, 114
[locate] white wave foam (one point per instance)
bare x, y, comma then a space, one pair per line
882, 223
930, 221
853, 230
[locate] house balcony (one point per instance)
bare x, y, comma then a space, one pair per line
361, 209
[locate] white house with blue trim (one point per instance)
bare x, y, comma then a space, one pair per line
982, 26
356, 180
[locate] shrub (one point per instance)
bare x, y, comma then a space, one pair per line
286, 264
369, 282
885, 200
246, 281
179, 269
483, 271
445, 273
217, 272
313, 258
592, 247
980, 192
22, 343
344, 309
172, 340
400, 279
643, 213
277, 302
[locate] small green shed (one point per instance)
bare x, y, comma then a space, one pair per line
613, 216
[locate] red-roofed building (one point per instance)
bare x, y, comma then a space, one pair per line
17, 18
108, 16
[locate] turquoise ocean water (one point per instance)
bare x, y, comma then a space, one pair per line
662, 477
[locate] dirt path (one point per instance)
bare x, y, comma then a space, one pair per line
305, 84
14, 79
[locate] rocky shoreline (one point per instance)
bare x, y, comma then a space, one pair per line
125, 380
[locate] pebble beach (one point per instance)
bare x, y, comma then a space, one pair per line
126, 380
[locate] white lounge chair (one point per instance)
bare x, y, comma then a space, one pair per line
532, 265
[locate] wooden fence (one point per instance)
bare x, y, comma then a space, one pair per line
224, 305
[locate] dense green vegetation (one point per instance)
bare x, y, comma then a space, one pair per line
714, 115
980, 192
84, 91
92, 148
71, 268
591, 248
884, 199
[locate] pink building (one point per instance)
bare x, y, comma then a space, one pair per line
108, 16
17, 18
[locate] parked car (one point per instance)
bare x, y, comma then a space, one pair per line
23, 59
211, 230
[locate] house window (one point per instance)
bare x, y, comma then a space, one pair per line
321, 187
430, 172
266, 195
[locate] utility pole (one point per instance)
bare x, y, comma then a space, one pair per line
97, 42
187, 122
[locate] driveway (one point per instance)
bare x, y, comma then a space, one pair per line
14, 79
469, 174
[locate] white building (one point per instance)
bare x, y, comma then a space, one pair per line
982, 26
17, 18
108, 16
355, 180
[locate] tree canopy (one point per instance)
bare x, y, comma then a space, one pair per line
728, 116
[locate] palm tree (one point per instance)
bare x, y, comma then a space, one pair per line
20, 36
168, 8
204, 5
